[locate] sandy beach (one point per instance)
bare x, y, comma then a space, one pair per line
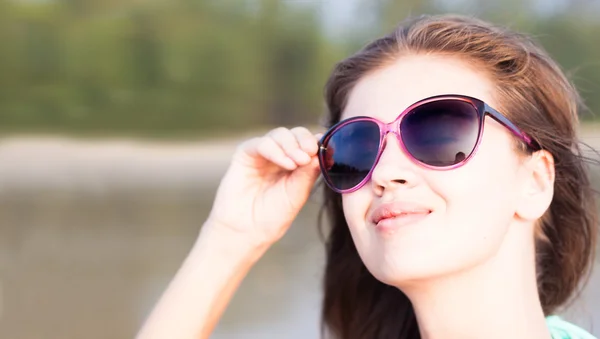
54, 162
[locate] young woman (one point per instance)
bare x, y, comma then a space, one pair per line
457, 195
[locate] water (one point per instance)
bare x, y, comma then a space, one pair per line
83, 257
91, 265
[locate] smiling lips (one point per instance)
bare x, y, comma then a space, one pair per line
392, 215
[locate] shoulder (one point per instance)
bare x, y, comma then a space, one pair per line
561, 329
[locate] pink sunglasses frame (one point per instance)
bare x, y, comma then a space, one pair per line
481, 108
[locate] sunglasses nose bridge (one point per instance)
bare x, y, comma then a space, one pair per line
392, 127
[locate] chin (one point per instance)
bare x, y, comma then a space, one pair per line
405, 269
401, 274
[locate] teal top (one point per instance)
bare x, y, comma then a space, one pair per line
561, 329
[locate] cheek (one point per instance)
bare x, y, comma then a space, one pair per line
481, 198
355, 206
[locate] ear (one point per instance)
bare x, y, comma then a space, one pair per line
538, 186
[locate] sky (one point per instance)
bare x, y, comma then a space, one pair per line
339, 15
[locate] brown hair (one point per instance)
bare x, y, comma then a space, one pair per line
538, 97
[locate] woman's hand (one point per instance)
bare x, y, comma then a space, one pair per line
266, 185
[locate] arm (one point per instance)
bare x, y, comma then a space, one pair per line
264, 188
204, 285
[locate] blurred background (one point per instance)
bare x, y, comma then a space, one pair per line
117, 119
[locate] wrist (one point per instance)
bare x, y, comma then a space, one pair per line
228, 243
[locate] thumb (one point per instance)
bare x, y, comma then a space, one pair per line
309, 171
302, 181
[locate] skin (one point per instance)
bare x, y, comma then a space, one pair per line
468, 267
479, 235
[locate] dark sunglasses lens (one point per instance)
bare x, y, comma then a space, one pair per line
441, 133
350, 153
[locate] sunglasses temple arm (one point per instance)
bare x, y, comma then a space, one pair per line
508, 124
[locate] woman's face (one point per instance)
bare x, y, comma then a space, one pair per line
461, 215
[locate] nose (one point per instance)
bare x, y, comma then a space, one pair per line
394, 169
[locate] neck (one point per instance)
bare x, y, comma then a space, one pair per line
485, 301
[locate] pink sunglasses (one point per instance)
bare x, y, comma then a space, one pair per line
440, 132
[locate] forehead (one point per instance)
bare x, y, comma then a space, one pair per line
386, 92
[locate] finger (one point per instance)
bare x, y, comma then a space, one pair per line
270, 150
311, 170
306, 140
290, 145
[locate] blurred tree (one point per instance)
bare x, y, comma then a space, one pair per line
569, 40
393, 11
289, 44
197, 67
144, 49
7, 56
